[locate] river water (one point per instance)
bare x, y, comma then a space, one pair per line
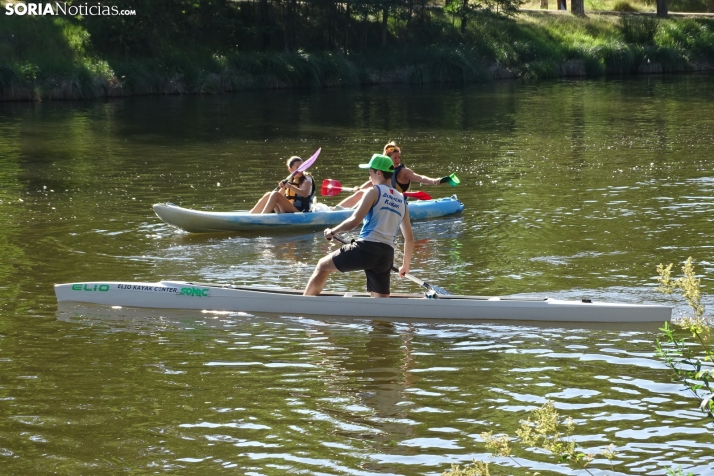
572, 189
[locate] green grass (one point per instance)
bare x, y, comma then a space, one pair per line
53, 58
50, 57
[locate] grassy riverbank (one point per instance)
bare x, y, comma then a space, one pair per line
49, 57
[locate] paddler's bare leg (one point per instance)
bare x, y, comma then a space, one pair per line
325, 267
278, 203
270, 204
258, 208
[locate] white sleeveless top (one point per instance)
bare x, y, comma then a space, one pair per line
382, 221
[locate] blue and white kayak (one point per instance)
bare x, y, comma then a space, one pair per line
197, 221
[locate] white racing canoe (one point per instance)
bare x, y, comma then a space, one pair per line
197, 221
200, 296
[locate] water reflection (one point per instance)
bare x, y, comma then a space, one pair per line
392, 397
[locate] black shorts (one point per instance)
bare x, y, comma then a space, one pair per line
376, 259
302, 204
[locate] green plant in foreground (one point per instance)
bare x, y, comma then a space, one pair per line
541, 430
479, 468
545, 432
677, 471
691, 362
544, 429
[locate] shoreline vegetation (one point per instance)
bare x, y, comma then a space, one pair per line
222, 50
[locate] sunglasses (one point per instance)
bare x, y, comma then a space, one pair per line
391, 149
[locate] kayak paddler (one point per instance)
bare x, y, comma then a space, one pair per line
291, 196
401, 179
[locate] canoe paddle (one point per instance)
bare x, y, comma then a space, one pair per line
305, 165
331, 187
424, 284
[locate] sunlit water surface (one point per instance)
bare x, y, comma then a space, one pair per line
572, 189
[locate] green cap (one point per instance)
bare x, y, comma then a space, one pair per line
379, 162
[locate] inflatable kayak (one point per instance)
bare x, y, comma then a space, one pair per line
196, 221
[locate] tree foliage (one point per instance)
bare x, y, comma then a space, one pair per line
279, 25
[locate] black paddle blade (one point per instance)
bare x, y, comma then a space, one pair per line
436, 289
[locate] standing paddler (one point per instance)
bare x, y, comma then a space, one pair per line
383, 211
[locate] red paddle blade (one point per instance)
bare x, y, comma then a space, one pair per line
330, 188
418, 195
331, 183
329, 191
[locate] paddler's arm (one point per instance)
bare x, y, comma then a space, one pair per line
364, 186
408, 174
304, 189
406, 228
358, 215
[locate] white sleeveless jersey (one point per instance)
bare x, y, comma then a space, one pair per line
382, 221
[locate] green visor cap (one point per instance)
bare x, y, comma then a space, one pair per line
379, 162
